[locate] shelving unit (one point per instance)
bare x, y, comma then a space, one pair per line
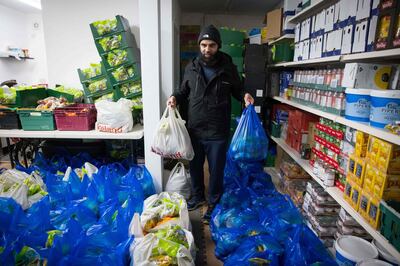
136, 133
284, 37
312, 9
336, 194
365, 127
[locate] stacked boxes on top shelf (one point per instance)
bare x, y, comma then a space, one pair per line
255, 60
232, 44
119, 71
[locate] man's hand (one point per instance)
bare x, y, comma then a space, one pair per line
171, 101
248, 99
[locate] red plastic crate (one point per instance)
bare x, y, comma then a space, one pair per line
76, 117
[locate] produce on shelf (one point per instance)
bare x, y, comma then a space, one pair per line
107, 97
7, 95
76, 92
131, 87
123, 73
92, 71
105, 26
137, 102
50, 103
110, 43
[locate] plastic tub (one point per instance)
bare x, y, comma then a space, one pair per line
351, 250
76, 117
373, 262
384, 254
385, 107
358, 102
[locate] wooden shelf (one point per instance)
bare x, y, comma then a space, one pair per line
365, 127
136, 133
337, 195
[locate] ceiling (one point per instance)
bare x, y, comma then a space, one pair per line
19, 6
245, 7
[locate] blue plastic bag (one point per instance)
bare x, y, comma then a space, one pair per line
249, 143
257, 250
142, 175
305, 248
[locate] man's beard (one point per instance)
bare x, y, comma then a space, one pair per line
209, 61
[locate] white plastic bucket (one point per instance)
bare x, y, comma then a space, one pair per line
385, 107
373, 262
358, 102
351, 250
384, 254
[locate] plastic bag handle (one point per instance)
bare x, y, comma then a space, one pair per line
168, 111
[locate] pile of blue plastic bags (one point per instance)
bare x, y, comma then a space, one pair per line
253, 224
83, 219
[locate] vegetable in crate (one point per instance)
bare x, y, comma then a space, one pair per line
51, 103
92, 71
98, 85
76, 92
123, 73
131, 87
110, 43
105, 26
107, 97
137, 102
117, 57
7, 95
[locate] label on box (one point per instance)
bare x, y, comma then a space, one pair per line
258, 109
259, 93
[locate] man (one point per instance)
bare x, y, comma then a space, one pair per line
208, 83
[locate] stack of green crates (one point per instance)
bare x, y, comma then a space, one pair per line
119, 75
233, 45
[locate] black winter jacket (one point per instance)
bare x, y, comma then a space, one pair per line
209, 104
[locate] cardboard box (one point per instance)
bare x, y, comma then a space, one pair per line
318, 48
274, 23
347, 39
360, 37
363, 9
337, 16
306, 49
329, 18
373, 23
288, 27
348, 11
297, 33
371, 76
312, 131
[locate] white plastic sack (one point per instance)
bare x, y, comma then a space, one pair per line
171, 139
114, 117
142, 249
179, 181
158, 207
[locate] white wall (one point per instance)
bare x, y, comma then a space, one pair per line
69, 41
17, 30
242, 22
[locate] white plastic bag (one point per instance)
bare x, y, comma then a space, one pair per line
114, 117
143, 251
171, 139
179, 181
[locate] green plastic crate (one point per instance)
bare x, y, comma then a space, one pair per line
110, 95
29, 98
238, 62
33, 120
124, 73
390, 222
128, 89
231, 36
233, 50
129, 56
104, 87
283, 52
122, 24
85, 78
120, 40
276, 129
53, 93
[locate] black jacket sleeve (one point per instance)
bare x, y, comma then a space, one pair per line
183, 91
237, 85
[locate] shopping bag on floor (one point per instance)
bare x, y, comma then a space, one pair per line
179, 181
171, 139
249, 143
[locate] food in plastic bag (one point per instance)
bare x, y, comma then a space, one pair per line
105, 26
51, 103
171, 140
123, 73
92, 71
117, 57
98, 85
179, 182
137, 102
110, 43
114, 117
257, 250
106, 97
169, 246
249, 143
131, 87
7, 95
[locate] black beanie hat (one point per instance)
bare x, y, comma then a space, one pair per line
210, 33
